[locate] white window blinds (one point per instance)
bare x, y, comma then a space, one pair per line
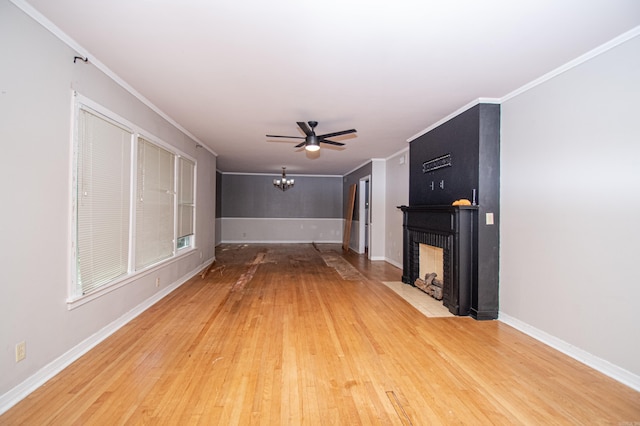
134, 202
185, 197
102, 201
154, 204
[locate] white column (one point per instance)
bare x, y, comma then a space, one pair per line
378, 208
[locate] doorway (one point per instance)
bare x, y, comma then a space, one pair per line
364, 202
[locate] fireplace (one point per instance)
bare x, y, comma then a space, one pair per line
457, 159
431, 270
431, 260
453, 230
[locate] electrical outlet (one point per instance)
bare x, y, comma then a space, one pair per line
489, 219
21, 351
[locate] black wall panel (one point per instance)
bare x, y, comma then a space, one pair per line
457, 137
473, 140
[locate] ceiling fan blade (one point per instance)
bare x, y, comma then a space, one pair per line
290, 137
343, 132
331, 142
305, 128
301, 144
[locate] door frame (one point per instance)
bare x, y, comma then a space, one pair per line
363, 236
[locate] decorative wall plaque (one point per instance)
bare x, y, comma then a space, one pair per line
436, 163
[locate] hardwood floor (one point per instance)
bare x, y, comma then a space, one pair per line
273, 335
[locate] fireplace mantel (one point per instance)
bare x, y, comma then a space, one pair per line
453, 228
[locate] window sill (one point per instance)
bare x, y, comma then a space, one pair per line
77, 301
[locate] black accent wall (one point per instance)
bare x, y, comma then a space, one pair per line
473, 140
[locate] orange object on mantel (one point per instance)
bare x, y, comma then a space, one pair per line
461, 202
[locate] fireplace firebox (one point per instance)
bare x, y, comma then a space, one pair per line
454, 230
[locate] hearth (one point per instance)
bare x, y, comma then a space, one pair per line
453, 230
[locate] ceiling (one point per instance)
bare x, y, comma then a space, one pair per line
231, 71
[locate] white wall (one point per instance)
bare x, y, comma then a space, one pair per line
37, 78
570, 197
218, 231
397, 194
281, 230
378, 209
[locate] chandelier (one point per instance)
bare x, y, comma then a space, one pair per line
283, 183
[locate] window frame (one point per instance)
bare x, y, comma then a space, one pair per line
190, 238
75, 297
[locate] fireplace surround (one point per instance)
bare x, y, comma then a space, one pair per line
459, 159
454, 229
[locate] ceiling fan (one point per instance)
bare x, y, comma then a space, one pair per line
312, 141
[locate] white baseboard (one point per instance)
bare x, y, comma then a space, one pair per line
15, 395
605, 367
393, 262
240, 230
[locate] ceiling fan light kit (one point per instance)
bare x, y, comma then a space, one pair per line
311, 140
312, 144
283, 184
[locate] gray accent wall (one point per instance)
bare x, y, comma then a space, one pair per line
254, 196
218, 195
254, 211
350, 179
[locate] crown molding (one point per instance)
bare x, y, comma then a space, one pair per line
358, 167
621, 39
617, 41
56, 31
454, 114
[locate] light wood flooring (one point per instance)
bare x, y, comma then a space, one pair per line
297, 334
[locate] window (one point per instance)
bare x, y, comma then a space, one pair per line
134, 201
155, 198
102, 201
186, 206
